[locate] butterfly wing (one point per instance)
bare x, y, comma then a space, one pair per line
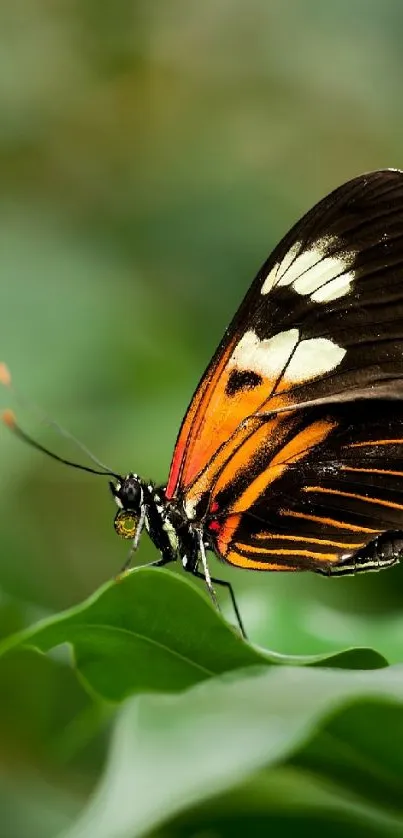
321, 323
333, 485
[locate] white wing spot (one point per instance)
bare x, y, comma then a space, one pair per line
267, 357
283, 353
280, 269
338, 287
313, 357
312, 273
302, 264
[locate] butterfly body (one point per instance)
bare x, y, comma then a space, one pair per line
142, 504
166, 523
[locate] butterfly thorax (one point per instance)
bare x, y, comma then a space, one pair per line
145, 504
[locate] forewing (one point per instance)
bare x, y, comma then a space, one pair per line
332, 484
323, 317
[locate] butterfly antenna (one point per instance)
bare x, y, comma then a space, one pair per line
9, 420
67, 435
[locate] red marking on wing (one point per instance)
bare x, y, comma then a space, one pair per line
214, 526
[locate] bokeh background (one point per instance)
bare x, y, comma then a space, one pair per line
151, 155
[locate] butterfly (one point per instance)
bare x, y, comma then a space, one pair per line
290, 455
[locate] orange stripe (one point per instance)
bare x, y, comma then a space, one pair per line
226, 533
375, 442
326, 542
330, 522
307, 554
218, 461
262, 438
377, 501
251, 564
297, 448
373, 471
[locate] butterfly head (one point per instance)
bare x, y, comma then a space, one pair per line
129, 497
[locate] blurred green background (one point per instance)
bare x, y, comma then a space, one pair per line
151, 155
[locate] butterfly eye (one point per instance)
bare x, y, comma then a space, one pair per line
126, 523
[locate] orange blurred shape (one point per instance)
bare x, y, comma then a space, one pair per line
8, 418
5, 377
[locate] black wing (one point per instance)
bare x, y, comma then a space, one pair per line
323, 317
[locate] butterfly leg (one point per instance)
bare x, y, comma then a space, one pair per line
384, 551
206, 573
228, 586
210, 581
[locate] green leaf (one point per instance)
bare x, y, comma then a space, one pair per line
43, 707
155, 631
218, 734
285, 800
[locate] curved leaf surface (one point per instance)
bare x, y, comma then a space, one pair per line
218, 734
155, 631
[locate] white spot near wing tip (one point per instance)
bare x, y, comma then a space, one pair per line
270, 281
300, 268
311, 273
274, 276
333, 290
288, 260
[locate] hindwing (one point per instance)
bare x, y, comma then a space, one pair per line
311, 506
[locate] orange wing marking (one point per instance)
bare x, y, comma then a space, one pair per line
326, 542
226, 532
224, 453
262, 439
238, 560
339, 493
375, 442
373, 471
191, 428
307, 554
214, 416
329, 522
293, 451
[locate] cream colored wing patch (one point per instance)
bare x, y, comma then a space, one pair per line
312, 273
285, 354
